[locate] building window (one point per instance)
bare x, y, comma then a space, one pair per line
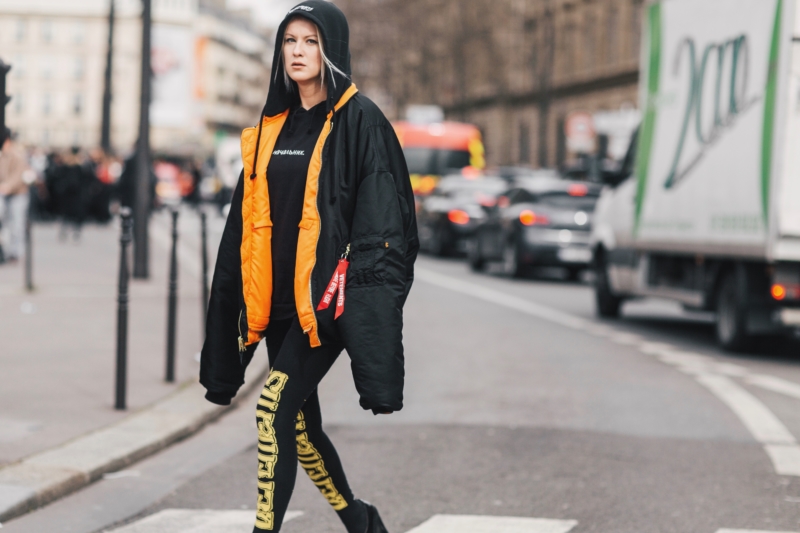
636, 27
524, 144
77, 104
21, 30
18, 66
612, 35
47, 104
531, 31
18, 102
47, 67
79, 68
590, 40
47, 31
79, 31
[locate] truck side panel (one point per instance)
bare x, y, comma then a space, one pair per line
706, 184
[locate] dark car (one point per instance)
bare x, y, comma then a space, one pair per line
449, 215
538, 222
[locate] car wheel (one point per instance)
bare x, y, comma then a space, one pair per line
512, 266
474, 257
606, 302
731, 326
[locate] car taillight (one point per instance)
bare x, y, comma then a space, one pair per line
578, 189
457, 216
780, 291
529, 218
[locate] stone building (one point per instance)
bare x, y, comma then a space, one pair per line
210, 72
516, 68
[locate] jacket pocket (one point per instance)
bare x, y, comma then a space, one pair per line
367, 265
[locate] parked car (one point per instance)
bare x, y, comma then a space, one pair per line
540, 221
449, 215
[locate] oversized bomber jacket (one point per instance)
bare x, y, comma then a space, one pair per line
357, 193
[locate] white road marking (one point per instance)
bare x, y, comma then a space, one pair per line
500, 298
785, 458
197, 521
774, 384
492, 524
764, 426
779, 444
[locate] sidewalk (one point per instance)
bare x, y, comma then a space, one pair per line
58, 344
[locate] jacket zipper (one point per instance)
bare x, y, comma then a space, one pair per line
311, 278
242, 348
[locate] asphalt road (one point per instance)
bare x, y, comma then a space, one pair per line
519, 403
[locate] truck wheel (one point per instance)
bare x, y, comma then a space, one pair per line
512, 266
476, 261
731, 317
607, 304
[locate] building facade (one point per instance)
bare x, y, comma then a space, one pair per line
516, 68
210, 72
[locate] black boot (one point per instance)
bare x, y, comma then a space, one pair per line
374, 522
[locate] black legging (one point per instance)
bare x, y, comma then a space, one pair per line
290, 428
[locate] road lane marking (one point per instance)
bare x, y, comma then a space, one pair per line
771, 383
492, 524
500, 298
762, 423
785, 458
778, 442
197, 521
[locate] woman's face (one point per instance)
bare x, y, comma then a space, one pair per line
301, 56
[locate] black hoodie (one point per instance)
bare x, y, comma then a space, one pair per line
336, 44
358, 197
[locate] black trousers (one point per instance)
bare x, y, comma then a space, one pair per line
290, 427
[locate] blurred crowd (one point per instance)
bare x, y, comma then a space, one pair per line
72, 186
76, 186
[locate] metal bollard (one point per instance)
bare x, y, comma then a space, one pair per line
122, 309
172, 300
28, 253
204, 259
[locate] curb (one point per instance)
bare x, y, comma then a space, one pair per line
52, 474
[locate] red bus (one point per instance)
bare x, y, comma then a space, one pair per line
433, 150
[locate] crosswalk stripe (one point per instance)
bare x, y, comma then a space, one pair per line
492, 524
197, 521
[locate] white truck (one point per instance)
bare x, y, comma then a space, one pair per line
706, 208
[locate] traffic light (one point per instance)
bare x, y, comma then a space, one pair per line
4, 98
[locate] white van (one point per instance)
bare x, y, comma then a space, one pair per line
706, 210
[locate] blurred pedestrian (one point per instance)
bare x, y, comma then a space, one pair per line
15, 176
73, 182
338, 191
100, 186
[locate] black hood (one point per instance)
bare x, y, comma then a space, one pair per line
336, 43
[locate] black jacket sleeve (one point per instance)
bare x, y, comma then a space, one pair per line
221, 368
384, 246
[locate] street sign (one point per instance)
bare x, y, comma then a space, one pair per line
580, 132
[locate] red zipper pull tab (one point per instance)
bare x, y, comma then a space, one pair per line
336, 285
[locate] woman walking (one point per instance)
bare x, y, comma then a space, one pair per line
317, 256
